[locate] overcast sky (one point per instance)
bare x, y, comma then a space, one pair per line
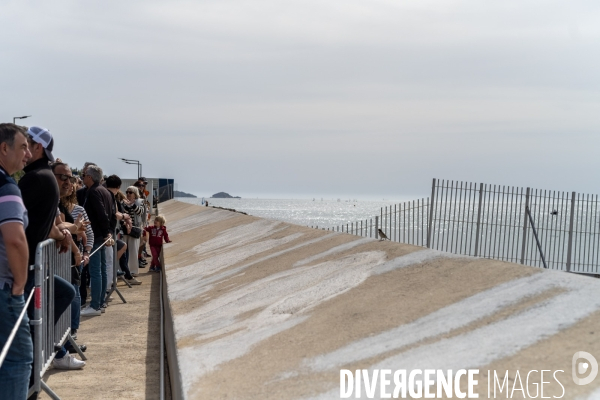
272, 98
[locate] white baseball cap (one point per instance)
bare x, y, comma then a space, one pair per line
43, 137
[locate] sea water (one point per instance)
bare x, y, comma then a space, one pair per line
324, 213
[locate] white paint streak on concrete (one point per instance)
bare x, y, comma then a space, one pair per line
412, 259
200, 219
334, 250
229, 247
283, 299
240, 235
446, 319
207, 283
187, 276
287, 292
504, 338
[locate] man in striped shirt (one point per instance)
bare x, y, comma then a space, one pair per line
14, 253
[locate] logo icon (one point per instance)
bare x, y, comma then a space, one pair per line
581, 367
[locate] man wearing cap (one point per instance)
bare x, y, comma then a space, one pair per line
16, 368
40, 195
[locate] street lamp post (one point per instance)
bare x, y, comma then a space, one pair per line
23, 117
126, 161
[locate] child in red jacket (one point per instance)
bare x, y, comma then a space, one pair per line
157, 233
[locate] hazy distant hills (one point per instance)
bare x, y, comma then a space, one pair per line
183, 194
223, 195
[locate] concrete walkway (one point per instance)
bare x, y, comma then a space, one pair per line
123, 349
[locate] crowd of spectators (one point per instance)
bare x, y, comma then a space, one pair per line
87, 214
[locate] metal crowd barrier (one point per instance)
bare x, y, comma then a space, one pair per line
46, 334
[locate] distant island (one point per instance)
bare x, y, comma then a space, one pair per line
223, 195
183, 194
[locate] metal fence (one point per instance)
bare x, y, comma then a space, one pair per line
405, 223
544, 228
46, 334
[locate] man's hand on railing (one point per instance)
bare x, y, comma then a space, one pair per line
109, 241
65, 244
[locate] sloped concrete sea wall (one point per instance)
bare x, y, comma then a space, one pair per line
261, 309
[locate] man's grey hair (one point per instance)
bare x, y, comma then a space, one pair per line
95, 172
87, 164
9, 131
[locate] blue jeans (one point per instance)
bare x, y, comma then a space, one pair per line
63, 296
16, 369
97, 267
76, 308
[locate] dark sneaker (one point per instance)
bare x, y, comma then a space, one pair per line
82, 347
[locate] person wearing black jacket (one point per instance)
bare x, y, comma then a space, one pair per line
40, 196
98, 204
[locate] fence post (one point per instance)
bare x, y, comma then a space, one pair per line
37, 322
477, 229
430, 219
571, 221
524, 242
376, 227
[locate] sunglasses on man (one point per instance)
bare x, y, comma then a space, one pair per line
64, 177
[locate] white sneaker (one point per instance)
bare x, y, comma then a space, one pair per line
68, 362
133, 281
90, 312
